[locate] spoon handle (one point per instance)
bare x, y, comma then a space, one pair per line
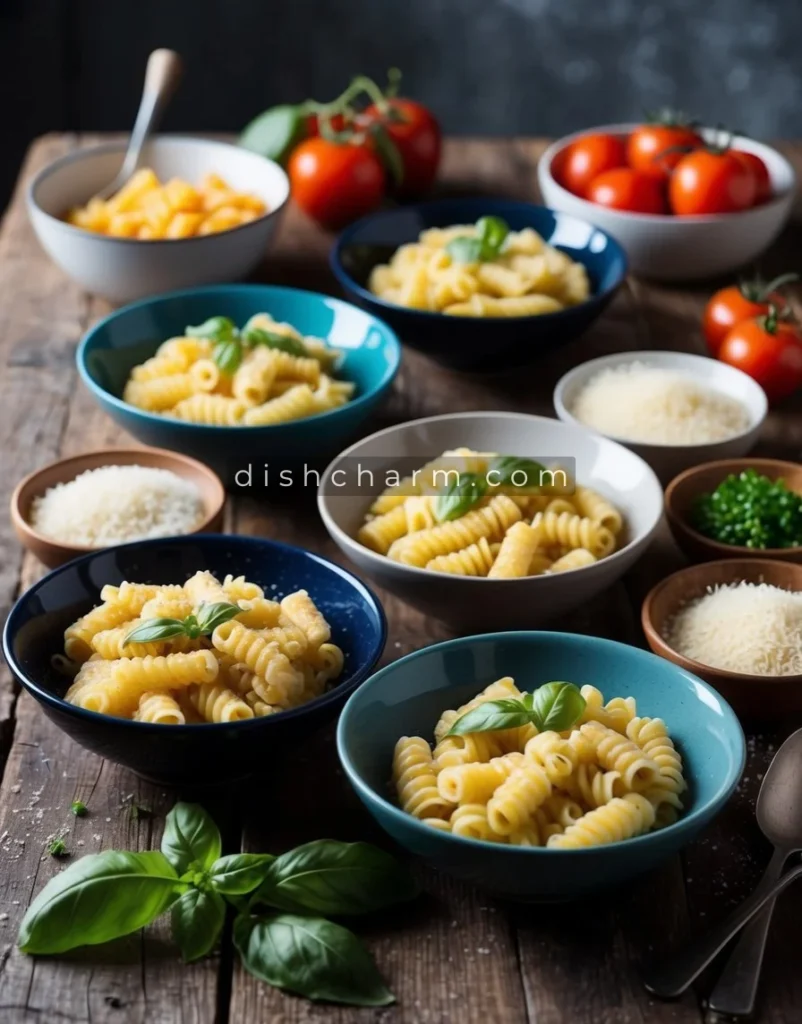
671, 979
736, 988
162, 75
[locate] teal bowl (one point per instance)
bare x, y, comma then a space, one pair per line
372, 355
407, 698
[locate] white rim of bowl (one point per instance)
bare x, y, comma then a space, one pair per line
642, 355
655, 219
381, 560
113, 147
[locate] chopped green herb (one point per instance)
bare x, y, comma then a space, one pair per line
78, 808
750, 510
58, 848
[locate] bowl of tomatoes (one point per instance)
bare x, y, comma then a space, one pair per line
685, 202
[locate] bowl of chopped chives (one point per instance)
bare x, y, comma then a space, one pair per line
113, 496
737, 624
738, 508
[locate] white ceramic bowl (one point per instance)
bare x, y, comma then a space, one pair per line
124, 269
482, 605
669, 248
665, 459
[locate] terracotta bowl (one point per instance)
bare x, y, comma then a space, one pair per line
688, 486
52, 552
763, 697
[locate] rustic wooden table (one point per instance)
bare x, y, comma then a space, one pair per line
455, 954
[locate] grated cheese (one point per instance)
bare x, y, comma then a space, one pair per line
653, 405
753, 628
117, 504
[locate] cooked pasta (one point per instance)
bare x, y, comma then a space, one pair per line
240, 378
265, 657
499, 530
524, 276
589, 785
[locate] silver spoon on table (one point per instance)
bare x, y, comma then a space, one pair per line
736, 988
779, 814
162, 75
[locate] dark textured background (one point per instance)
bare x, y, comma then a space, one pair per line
486, 66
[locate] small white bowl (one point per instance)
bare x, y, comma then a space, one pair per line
474, 604
669, 248
124, 269
666, 459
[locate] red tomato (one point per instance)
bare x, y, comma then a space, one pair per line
770, 351
417, 138
729, 306
647, 146
625, 189
587, 158
706, 181
335, 183
763, 189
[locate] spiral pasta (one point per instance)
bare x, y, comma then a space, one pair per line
268, 657
475, 560
569, 530
585, 786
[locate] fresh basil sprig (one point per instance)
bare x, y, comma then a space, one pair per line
459, 496
514, 471
253, 336
228, 355
216, 328
105, 896
209, 616
554, 706
491, 233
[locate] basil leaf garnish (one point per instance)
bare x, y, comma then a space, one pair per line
465, 249
228, 355
330, 877
513, 471
210, 616
310, 956
259, 336
100, 897
459, 497
557, 706
155, 629
216, 328
239, 873
191, 839
491, 233
509, 713
197, 920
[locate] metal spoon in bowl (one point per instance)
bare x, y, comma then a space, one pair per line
736, 988
779, 814
162, 75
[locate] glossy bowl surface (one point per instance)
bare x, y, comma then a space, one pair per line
669, 459
471, 603
123, 339
489, 343
684, 489
52, 552
124, 269
407, 698
190, 755
669, 248
753, 697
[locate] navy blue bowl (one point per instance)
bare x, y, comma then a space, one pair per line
127, 337
191, 754
489, 343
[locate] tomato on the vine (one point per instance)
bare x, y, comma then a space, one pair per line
587, 158
335, 182
744, 301
657, 147
416, 135
625, 189
763, 188
769, 349
711, 181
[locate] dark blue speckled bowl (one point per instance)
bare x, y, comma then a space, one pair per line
490, 343
191, 754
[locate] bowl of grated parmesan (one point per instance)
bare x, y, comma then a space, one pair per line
737, 624
113, 496
674, 409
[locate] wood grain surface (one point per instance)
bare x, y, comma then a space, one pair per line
455, 955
